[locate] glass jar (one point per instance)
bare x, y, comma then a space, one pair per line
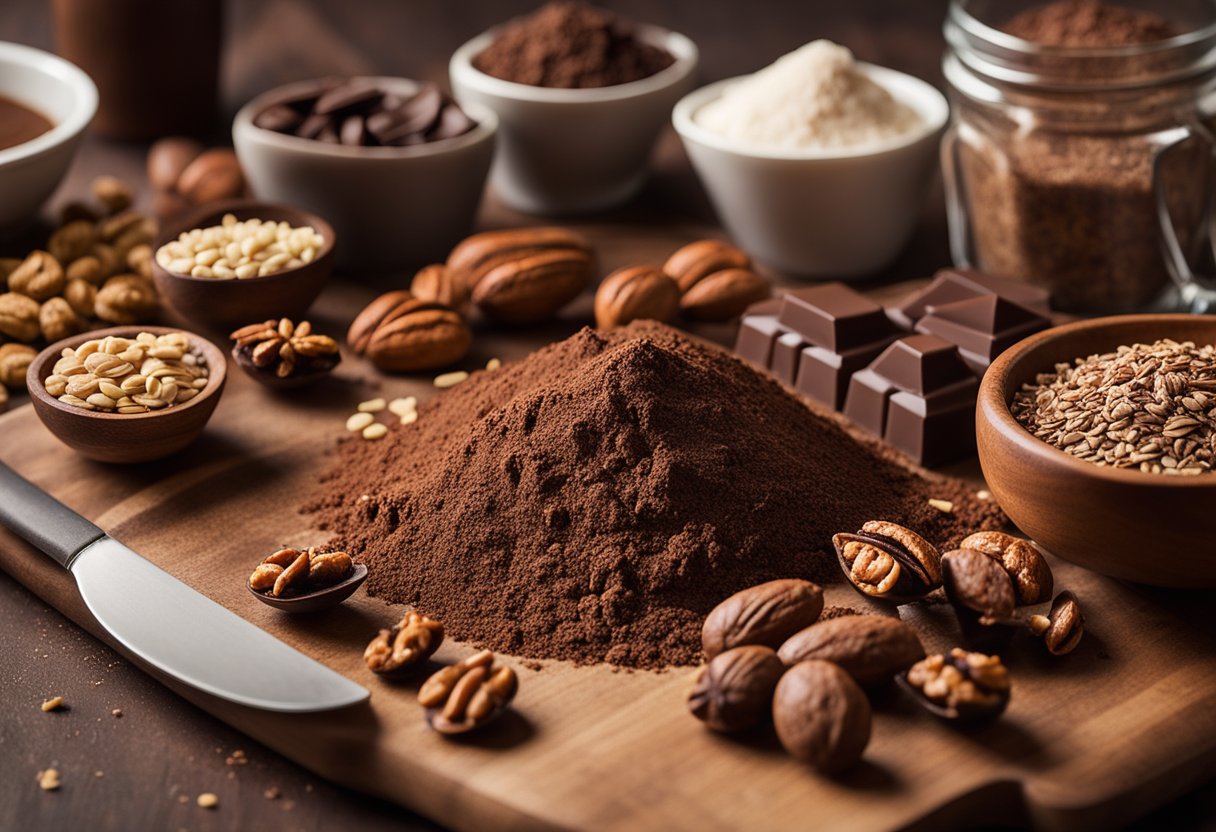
1086, 171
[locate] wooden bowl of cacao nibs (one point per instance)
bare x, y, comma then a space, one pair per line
1098, 439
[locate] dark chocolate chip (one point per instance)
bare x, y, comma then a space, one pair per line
280, 118
348, 96
452, 123
312, 126
352, 130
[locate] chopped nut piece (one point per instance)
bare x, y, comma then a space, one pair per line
411, 641
292, 571
292, 576
329, 568
371, 406
493, 364
961, 684
451, 379
410, 418
944, 506
1065, 625
116, 713
207, 800
284, 350
272, 793
983, 494
55, 703
376, 431
467, 695
48, 780
400, 407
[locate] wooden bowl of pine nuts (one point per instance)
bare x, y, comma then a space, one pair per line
127, 394
243, 260
1110, 506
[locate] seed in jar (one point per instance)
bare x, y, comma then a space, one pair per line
240, 249
128, 375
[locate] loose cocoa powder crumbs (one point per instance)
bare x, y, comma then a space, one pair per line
570, 45
1081, 23
594, 501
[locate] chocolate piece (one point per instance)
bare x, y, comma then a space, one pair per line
787, 352
347, 96
824, 375
981, 327
919, 396
950, 285
834, 317
757, 332
359, 113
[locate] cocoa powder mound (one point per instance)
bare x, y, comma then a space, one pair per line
593, 501
573, 46
1088, 23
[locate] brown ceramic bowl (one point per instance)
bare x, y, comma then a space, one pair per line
226, 304
1148, 528
123, 437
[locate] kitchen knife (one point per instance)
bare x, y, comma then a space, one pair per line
166, 623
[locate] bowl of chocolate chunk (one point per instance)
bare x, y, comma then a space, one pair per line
232, 262
1098, 438
581, 96
127, 394
396, 164
817, 164
45, 105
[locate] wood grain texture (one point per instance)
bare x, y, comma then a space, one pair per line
1087, 740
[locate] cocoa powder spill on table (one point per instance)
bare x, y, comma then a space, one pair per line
570, 45
593, 501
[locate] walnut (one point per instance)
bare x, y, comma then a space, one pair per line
19, 316
468, 694
39, 277
59, 320
7, 266
284, 349
139, 261
960, 685
126, 299
410, 642
87, 268
888, 562
14, 361
114, 194
81, 295
72, 241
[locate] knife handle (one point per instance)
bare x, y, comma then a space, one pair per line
42, 520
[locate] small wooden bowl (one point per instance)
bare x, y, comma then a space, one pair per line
1149, 528
224, 304
126, 437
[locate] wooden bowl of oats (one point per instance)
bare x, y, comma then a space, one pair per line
1098, 439
127, 394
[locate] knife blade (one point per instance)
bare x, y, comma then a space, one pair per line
166, 623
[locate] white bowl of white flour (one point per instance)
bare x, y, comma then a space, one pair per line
818, 165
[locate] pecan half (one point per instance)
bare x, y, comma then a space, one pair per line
724, 295
408, 643
401, 333
888, 562
1062, 627
694, 262
635, 292
439, 284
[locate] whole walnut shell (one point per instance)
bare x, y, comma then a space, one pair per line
400, 333
821, 715
125, 300
636, 292
765, 614
15, 359
39, 277
19, 317
870, 648
735, 690
59, 320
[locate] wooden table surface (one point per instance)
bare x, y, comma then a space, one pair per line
152, 761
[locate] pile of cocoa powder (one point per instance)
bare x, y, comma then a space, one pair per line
1082, 23
571, 45
595, 500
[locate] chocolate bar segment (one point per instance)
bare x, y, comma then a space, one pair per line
824, 375
952, 285
834, 317
982, 327
757, 332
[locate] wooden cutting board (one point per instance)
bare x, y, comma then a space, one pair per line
1093, 739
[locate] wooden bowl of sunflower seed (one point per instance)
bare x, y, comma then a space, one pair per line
127, 394
1098, 439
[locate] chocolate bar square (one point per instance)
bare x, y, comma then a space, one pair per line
834, 317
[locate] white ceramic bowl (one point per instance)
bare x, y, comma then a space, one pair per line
564, 151
836, 213
392, 207
30, 172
